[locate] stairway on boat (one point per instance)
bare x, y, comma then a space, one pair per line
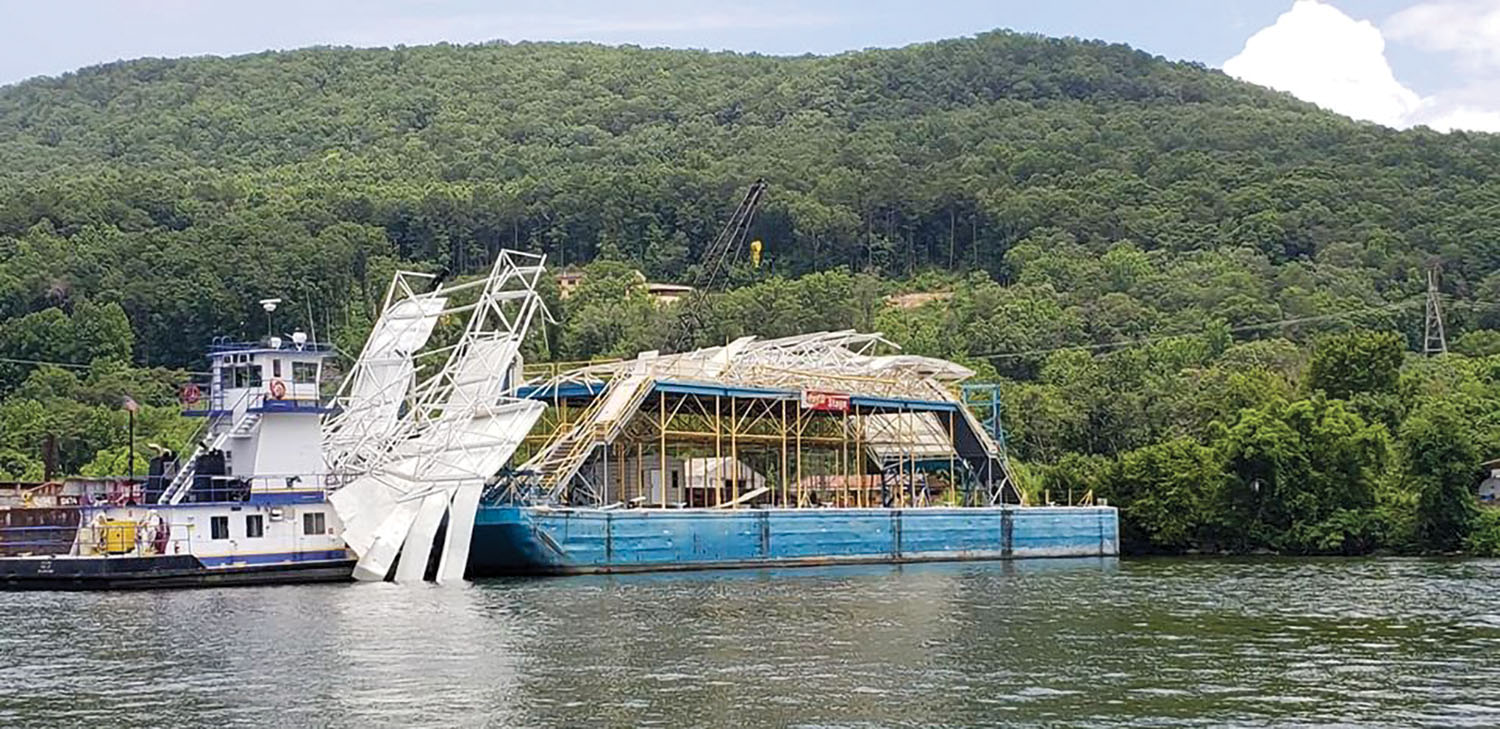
561, 458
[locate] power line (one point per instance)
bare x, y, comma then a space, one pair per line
1012, 355
73, 365
69, 365
1164, 337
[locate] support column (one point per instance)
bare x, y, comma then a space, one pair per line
783, 473
620, 471
662, 444
799, 455
844, 462
953, 464
718, 453
859, 458
734, 452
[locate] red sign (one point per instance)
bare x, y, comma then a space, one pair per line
278, 389
837, 402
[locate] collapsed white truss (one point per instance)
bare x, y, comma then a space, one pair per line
841, 361
835, 361
412, 451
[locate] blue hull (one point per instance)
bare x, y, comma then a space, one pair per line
510, 540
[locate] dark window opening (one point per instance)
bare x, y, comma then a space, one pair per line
314, 523
218, 527
304, 372
255, 526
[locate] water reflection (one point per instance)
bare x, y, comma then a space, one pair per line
1075, 642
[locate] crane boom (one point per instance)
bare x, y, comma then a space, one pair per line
713, 265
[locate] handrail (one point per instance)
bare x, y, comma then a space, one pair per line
586, 435
182, 480
555, 369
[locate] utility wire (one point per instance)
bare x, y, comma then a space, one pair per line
1164, 337
75, 365
1028, 353
69, 365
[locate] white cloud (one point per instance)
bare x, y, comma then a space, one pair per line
1469, 29
1463, 117
1318, 54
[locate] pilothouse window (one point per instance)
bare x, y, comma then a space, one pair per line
305, 373
243, 376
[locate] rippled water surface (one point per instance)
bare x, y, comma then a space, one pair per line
1041, 643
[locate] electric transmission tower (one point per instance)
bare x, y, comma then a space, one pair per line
1434, 340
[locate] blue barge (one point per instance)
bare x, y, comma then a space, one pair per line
512, 540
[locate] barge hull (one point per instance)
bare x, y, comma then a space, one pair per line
520, 540
124, 573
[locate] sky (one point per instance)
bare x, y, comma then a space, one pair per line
1396, 62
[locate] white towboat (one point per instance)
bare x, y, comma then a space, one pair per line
248, 507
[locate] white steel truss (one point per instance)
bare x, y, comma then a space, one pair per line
842, 361
414, 452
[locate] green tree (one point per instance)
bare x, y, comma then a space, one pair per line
1302, 476
1354, 362
1441, 464
1167, 493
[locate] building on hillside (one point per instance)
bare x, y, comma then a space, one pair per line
665, 293
915, 299
567, 282
1489, 488
661, 293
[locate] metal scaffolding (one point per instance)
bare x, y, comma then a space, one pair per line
813, 420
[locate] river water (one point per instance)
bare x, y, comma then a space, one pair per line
1171, 642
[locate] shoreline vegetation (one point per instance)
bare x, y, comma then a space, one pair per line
1203, 299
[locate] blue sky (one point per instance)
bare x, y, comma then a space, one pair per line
1398, 62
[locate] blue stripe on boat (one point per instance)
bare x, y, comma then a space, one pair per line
275, 557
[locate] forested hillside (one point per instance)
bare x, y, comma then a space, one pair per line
1068, 193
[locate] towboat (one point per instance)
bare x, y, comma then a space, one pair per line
248, 507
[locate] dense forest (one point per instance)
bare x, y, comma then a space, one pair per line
1202, 297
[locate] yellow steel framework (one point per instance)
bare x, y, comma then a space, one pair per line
804, 457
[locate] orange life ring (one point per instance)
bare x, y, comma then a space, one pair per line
278, 389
